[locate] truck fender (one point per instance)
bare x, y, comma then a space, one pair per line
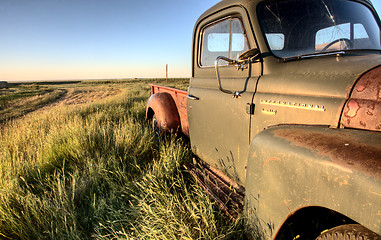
164, 108
294, 168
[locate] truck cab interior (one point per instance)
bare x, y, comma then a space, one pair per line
298, 27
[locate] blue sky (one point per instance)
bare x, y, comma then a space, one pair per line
98, 39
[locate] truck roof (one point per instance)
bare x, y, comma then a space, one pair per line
228, 3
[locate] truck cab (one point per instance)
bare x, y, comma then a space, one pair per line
285, 102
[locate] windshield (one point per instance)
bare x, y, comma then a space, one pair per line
302, 27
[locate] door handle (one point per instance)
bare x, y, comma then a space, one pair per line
191, 97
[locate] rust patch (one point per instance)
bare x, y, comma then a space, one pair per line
352, 108
343, 149
341, 182
379, 213
369, 86
362, 114
360, 88
363, 109
271, 159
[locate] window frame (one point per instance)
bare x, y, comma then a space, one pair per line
213, 23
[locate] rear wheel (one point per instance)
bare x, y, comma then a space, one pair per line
349, 232
155, 126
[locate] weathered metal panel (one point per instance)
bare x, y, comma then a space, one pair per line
219, 123
180, 99
164, 107
363, 109
296, 167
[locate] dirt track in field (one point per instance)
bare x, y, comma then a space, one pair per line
82, 96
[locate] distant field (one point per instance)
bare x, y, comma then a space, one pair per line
78, 161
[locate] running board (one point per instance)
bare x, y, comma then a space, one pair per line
228, 194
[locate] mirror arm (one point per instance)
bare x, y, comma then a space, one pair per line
241, 65
246, 59
230, 61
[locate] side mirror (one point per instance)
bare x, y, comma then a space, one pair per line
249, 54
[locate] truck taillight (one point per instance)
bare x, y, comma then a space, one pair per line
363, 109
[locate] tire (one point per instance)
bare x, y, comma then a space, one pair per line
349, 232
155, 126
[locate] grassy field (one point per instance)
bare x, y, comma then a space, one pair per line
78, 161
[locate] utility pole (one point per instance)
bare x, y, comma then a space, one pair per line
166, 73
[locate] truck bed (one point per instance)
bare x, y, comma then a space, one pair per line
180, 98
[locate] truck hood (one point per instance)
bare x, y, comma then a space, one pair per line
325, 76
356, 79
327, 81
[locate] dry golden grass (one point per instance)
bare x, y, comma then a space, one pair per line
88, 167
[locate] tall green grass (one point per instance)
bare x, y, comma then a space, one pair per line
97, 172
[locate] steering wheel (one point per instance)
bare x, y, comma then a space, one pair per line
349, 43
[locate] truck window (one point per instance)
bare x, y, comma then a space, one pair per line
360, 38
225, 38
276, 40
302, 27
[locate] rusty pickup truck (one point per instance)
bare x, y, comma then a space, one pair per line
283, 110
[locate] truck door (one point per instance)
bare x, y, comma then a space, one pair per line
220, 122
